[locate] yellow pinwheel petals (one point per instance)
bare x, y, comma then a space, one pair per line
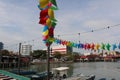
50, 13
43, 3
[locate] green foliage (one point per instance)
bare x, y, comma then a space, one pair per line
69, 56
57, 55
4, 52
76, 56
75, 53
39, 54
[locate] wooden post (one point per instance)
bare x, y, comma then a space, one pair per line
48, 62
19, 55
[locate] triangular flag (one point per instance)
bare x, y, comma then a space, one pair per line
53, 2
53, 8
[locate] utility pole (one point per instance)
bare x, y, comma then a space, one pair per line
48, 62
19, 55
79, 39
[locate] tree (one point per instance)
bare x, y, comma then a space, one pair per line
4, 52
39, 54
43, 55
70, 56
76, 56
57, 55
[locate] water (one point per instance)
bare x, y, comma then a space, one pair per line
100, 69
106, 70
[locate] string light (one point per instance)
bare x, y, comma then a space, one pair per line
33, 40
108, 27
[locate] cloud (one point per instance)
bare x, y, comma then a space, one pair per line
19, 21
94, 15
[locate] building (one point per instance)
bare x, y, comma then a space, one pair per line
62, 49
69, 49
1, 45
26, 50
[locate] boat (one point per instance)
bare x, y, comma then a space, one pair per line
118, 61
23, 72
60, 73
81, 77
55, 74
106, 79
39, 76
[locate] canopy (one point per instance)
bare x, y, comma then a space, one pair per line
61, 68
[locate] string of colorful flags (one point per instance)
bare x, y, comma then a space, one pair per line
88, 46
47, 19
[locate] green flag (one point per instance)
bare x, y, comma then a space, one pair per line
53, 8
53, 2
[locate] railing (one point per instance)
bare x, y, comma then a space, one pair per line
17, 77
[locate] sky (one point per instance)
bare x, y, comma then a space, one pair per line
19, 22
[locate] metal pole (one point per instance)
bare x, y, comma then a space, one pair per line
48, 62
79, 40
19, 55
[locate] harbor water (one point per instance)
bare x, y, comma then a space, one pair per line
106, 70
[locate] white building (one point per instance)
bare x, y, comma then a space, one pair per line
60, 48
26, 49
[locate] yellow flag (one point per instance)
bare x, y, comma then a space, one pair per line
45, 33
50, 13
97, 46
48, 22
43, 3
51, 39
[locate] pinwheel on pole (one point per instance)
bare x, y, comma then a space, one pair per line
48, 20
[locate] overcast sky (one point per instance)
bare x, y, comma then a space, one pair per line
19, 22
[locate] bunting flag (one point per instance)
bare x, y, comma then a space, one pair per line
47, 19
108, 46
97, 46
87, 46
92, 46
119, 46
103, 46
114, 47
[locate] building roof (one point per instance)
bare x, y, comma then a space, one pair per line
59, 48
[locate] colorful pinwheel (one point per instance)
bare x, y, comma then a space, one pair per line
47, 19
